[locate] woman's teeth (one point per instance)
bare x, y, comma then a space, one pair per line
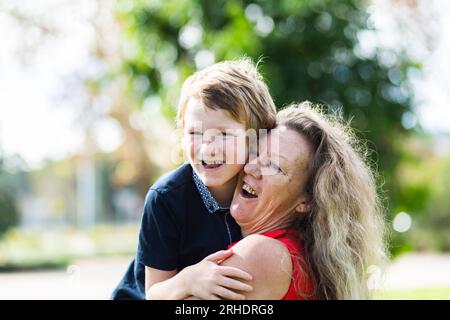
249, 190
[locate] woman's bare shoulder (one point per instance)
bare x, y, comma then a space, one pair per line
268, 261
259, 244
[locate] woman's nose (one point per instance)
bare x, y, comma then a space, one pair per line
252, 168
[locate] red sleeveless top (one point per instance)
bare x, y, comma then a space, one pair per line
299, 281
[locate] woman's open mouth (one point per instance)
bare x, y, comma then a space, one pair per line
248, 192
211, 165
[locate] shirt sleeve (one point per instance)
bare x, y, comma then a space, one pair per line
159, 234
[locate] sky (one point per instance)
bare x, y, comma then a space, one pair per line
431, 88
35, 124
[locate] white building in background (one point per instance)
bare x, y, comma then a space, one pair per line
71, 193
86, 192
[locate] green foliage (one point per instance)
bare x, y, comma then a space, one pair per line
8, 216
8, 208
415, 294
431, 229
310, 50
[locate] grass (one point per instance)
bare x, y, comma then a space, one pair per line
415, 294
34, 265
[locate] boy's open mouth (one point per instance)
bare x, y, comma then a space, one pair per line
212, 164
248, 192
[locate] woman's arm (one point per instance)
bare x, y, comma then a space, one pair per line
268, 261
204, 280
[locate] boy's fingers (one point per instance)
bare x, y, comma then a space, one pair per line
235, 284
228, 294
219, 255
235, 273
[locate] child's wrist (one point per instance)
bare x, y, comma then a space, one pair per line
185, 275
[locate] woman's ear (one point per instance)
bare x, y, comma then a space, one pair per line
305, 204
303, 207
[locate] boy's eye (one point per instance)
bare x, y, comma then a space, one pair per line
226, 135
196, 133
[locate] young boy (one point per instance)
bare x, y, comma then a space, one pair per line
186, 212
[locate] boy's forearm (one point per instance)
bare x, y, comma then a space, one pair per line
171, 289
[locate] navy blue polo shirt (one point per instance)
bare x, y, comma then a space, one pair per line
182, 224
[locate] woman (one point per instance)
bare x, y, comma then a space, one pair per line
319, 202
309, 213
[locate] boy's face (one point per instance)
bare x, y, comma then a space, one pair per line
215, 143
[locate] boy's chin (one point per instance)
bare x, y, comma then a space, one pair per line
217, 177
213, 182
214, 179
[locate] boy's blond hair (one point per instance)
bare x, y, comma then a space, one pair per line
235, 86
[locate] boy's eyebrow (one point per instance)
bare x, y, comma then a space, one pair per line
218, 128
225, 128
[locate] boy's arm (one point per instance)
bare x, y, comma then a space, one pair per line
158, 245
161, 284
158, 250
204, 280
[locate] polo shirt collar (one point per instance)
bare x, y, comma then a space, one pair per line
211, 204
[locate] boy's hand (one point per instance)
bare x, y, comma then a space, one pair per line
210, 281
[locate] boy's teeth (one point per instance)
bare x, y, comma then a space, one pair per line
212, 162
249, 189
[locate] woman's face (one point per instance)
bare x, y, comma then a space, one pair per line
271, 188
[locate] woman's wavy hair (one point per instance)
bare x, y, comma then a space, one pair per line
343, 233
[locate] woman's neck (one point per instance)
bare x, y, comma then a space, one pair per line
224, 193
263, 228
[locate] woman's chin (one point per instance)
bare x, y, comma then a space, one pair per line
240, 211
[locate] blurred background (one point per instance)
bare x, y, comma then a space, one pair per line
88, 91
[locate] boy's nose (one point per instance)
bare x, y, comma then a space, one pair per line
253, 168
208, 148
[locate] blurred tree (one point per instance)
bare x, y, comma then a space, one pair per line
106, 86
318, 50
430, 229
99, 100
9, 215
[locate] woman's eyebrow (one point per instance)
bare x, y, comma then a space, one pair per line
278, 156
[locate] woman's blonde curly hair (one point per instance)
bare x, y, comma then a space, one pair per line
343, 233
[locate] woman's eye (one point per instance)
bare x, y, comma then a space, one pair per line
195, 133
276, 167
